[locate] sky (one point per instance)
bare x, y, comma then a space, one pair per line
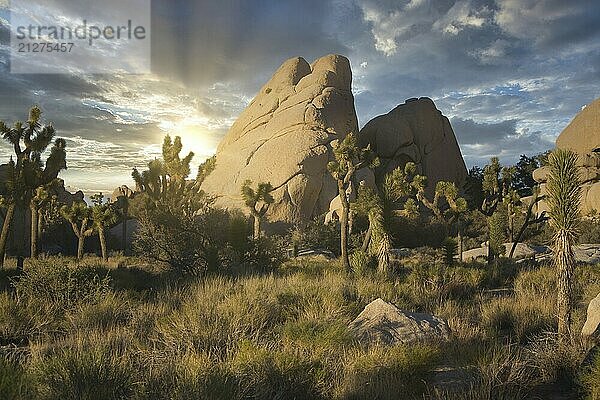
510, 74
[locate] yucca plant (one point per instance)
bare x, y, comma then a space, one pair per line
395, 198
563, 198
258, 201
349, 158
79, 216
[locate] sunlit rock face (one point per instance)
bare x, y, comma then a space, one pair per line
582, 136
416, 131
284, 137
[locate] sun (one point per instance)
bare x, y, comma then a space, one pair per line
194, 137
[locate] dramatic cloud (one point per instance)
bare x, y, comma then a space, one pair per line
510, 74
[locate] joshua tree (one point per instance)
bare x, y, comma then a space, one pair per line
564, 196
395, 198
349, 158
455, 208
530, 218
258, 201
499, 203
40, 198
27, 174
103, 215
79, 216
164, 183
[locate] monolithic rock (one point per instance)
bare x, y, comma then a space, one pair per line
382, 322
416, 131
582, 135
284, 137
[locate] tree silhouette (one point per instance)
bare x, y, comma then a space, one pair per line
28, 173
394, 198
40, 198
258, 201
79, 216
103, 215
564, 197
349, 158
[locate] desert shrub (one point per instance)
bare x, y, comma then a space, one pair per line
264, 254
111, 311
309, 266
61, 285
590, 378
590, 230
16, 326
199, 377
362, 263
15, 383
431, 285
264, 373
92, 368
501, 273
318, 235
500, 374
536, 283
190, 244
395, 372
311, 333
519, 319
554, 363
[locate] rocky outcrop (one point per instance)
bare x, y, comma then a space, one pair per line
284, 137
287, 133
591, 328
416, 131
582, 135
383, 323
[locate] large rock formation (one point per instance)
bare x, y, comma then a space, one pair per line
416, 131
582, 135
284, 137
286, 134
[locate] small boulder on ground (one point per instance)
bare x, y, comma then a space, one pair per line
384, 323
591, 329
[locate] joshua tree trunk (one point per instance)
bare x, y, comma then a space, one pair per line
103, 244
344, 225
511, 223
367, 241
40, 224
565, 263
34, 229
124, 230
80, 243
459, 239
256, 233
10, 212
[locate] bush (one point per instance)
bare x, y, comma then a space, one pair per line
318, 235
86, 369
362, 263
519, 319
14, 381
397, 372
264, 374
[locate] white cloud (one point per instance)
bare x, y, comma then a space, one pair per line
463, 15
